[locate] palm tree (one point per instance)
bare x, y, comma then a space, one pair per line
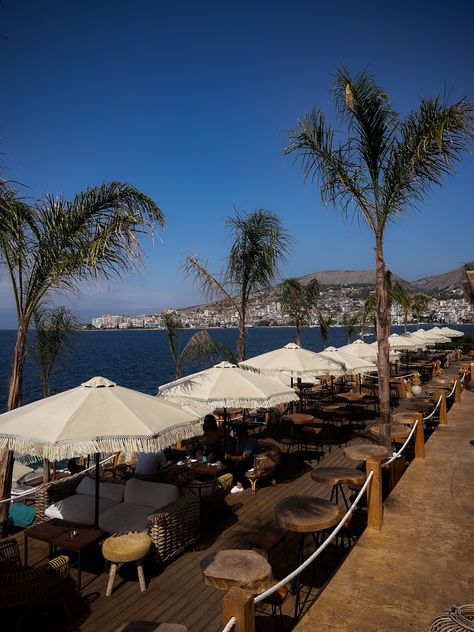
298, 301
54, 245
419, 305
260, 244
53, 328
350, 322
325, 322
368, 313
404, 299
199, 347
382, 168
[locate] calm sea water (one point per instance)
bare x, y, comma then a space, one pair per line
140, 359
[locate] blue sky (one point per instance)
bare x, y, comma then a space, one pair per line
191, 102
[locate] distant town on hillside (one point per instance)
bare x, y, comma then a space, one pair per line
343, 292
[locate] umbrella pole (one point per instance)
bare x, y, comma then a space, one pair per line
97, 471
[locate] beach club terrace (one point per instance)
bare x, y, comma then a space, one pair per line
389, 535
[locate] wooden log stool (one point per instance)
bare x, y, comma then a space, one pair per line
126, 547
337, 477
305, 514
243, 568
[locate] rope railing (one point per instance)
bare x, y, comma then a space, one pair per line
396, 377
320, 549
230, 625
438, 404
398, 454
31, 491
452, 391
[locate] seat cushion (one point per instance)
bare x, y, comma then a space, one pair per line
125, 517
112, 491
78, 508
149, 494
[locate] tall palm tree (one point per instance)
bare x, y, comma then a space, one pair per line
54, 245
382, 168
419, 305
404, 299
298, 301
199, 347
368, 313
260, 244
325, 322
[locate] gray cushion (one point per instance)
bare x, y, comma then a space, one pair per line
149, 494
125, 517
112, 491
78, 508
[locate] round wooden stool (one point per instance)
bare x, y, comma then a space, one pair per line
126, 547
305, 514
398, 432
235, 567
337, 477
366, 452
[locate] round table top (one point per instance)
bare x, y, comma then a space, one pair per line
366, 452
406, 417
299, 419
306, 514
236, 567
351, 397
397, 431
330, 408
337, 475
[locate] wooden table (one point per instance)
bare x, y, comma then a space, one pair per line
235, 567
299, 419
366, 452
209, 469
337, 477
305, 514
404, 417
59, 534
351, 398
398, 432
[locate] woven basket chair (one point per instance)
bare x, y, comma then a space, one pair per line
264, 465
30, 587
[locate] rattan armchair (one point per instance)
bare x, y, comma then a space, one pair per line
26, 587
264, 465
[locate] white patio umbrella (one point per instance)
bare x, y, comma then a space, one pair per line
97, 416
361, 349
225, 385
452, 333
430, 337
438, 331
403, 342
352, 363
294, 361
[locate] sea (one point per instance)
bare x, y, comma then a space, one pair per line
141, 360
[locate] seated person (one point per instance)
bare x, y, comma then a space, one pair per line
242, 458
149, 463
74, 467
211, 439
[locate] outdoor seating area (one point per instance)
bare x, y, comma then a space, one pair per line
190, 510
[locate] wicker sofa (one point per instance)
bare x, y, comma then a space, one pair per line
172, 528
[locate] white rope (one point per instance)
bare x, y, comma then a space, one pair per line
393, 377
319, 550
230, 624
454, 388
434, 409
33, 489
399, 453
461, 381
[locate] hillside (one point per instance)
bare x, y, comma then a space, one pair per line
452, 280
346, 277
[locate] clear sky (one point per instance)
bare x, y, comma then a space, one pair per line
191, 102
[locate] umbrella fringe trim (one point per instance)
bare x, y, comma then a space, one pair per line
91, 445
294, 372
229, 402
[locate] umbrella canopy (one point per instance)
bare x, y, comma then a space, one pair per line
20, 470
97, 416
452, 333
294, 361
431, 337
404, 341
225, 385
352, 363
361, 349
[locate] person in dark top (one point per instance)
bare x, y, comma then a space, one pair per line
211, 439
242, 458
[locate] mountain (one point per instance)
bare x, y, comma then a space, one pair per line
346, 277
452, 280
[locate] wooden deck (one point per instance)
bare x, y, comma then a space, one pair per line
428, 521
421, 562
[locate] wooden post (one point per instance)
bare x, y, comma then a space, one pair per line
403, 388
472, 371
374, 495
443, 410
457, 391
239, 603
355, 382
419, 437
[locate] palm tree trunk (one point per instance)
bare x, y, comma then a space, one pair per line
298, 336
14, 398
383, 332
241, 343
405, 320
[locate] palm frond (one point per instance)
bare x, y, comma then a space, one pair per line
209, 285
201, 347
